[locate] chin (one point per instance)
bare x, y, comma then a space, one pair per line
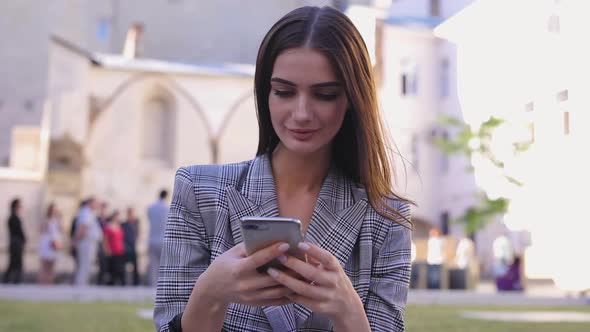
306, 148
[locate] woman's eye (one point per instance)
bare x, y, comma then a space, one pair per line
326, 96
283, 93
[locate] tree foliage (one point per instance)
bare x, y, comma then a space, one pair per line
468, 142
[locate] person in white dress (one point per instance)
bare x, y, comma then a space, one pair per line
50, 244
87, 239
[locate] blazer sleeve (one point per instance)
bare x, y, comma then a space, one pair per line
390, 279
185, 253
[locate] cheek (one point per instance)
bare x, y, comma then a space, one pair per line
275, 111
335, 116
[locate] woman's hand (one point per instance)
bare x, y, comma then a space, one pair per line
232, 278
330, 292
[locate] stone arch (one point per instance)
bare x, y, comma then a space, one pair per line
233, 125
99, 106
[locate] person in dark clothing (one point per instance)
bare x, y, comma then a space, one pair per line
14, 272
130, 230
104, 270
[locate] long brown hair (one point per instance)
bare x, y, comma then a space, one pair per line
359, 149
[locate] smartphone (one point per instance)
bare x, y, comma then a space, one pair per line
260, 232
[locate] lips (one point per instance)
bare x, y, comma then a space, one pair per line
302, 134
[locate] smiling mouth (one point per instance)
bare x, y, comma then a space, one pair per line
302, 134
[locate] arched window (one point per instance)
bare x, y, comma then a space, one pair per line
157, 131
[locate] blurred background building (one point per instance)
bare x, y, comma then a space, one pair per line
108, 98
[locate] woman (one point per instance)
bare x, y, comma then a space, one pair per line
321, 159
49, 244
114, 248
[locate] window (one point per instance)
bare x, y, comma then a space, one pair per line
444, 78
341, 5
434, 7
157, 131
562, 98
409, 78
553, 24
103, 29
444, 222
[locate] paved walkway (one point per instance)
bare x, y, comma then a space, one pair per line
79, 294
485, 294
528, 316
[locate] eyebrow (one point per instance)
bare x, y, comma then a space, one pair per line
317, 85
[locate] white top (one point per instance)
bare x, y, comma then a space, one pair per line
435, 255
465, 252
50, 234
87, 217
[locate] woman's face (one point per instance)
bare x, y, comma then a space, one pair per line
307, 102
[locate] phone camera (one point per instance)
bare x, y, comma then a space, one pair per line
250, 226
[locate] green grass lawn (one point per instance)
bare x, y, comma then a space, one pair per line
446, 318
100, 316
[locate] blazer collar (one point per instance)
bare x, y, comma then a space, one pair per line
334, 226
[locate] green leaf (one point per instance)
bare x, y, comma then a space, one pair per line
522, 147
492, 123
450, 121
513, 180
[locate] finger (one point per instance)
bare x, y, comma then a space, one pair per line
293, 274
258, 281
272, 293
267, 254
298, 286
324, 257
313, 261
239, 250
306, 270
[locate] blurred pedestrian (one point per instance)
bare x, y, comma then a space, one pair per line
103, 264
16, 247
130, 231
73, 250
157, 216
87, 239
50, 244
114, 249
435, 258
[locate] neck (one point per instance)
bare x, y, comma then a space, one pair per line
296, 173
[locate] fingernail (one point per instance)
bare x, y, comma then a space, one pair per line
272, 272
282, 258
284, 247
303, 246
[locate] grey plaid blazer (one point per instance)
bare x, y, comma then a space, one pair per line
208, 202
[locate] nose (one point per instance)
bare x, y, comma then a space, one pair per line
303, 111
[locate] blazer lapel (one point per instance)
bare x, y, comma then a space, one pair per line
255, 195
336, 222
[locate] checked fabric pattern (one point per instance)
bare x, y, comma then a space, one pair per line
203, 223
